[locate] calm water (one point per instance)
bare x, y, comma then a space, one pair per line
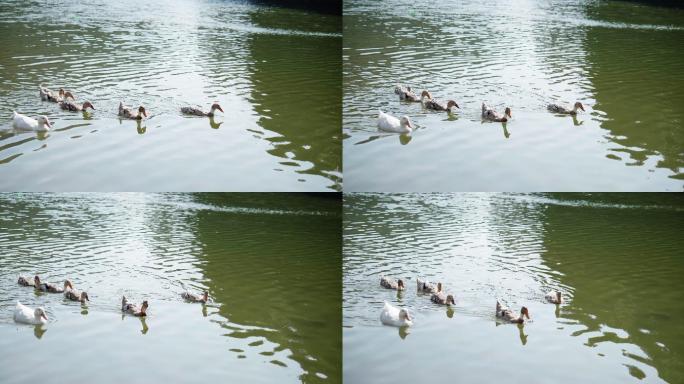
622, 60
271, 263
275, 72
617, 257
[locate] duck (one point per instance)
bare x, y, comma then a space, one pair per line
75, 295
196, 298
133, 309
508, 315
554, 297
492, 115
389, 123
52, 288
129, 113
442, 298
27, 315
25, 123
25, 281
394, 316
199, 112
405, 94
555, 108
437, 105
426, 286
389, 283
75, 107
48, 95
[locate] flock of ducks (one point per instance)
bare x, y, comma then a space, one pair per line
389, 123
37, 316
66, 101
400, 317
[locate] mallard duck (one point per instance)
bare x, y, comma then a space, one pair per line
442, 298
390, 123
48, 95
397, 317
437, 105
492, 115
199, 112
389, 283
75, 295
555, 108
508, 315
26, 315
196, 298
25, 123
25, 281
52, 288
129, 113
75, 107
405, 94
426, 286
554, 297
132, 308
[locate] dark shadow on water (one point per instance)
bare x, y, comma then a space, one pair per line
39, 331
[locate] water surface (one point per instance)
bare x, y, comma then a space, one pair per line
622, 60
275, 71
617, 258
271, 264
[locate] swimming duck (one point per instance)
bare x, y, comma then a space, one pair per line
394, 316
389, 283
405, 93
554, 297
437, 105
25, 123
75, 295
555, 108
24, 314
48, 95
492, 115
52, 288
196, 298
390, 123
129, 113
426, 286
199, 112
75, 107
132, 308
508, 315
442, 298
25, 281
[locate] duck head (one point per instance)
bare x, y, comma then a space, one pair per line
67, 284
87, 105
439, 287
40, 313
558, 296
425, 94
141, 111
524, 312
43, 120
578, 105
507, 112
406, 122
450, 300
451, 104
84, 297
404, 314
36, 280
216, 106
205, 296
400, 284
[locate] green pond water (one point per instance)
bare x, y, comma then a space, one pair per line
617, 257
270, 262
623, 60
275, 72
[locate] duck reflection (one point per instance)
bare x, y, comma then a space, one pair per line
404, 138
521, 332
143, 322
140, 127
39, 331
576, 122
404, 331
505, 131
449, 312
213, 124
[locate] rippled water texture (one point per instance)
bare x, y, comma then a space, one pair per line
617, 258
271, 264
622, 60
275, 72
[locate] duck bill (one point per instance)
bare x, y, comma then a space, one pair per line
582, 107
219, 108
44, 316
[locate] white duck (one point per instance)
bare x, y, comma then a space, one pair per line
390, 123
394, 316
554, 297
24, 314
25, 123
555, 108
492, 115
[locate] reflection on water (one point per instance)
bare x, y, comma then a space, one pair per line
535, 53
270, 262
617, 319
260, 63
